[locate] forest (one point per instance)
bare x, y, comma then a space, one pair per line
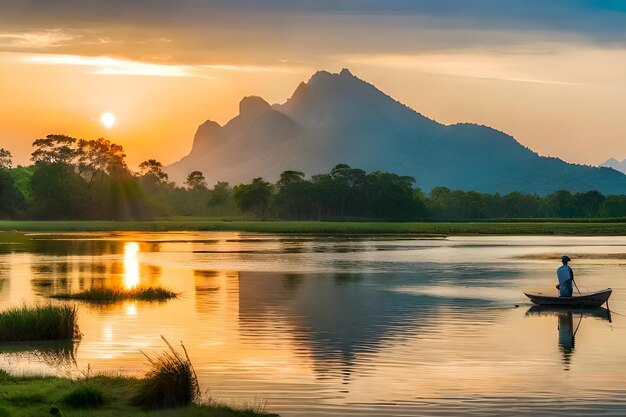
73, 179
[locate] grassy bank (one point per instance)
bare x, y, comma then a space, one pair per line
39, 323
99, 396
606, 227
111, 295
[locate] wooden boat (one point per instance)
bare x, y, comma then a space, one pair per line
592, 299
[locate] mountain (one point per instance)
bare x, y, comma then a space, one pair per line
339, 118
615, 164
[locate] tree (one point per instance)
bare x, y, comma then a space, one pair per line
55, 149
562, 204
153, 170
254, 197
58, 192
196, 181
11, 198
614, 206
94, 157
390, 195
6, 159
294, 198
220, 194
589, 203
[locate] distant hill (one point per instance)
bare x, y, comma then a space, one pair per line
339, 118
615, 164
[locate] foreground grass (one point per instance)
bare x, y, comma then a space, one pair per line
39, 323
99, 396
111, 295
604, 227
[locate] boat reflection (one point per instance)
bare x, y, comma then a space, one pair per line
569, 321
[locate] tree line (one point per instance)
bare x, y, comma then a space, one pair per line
88, 179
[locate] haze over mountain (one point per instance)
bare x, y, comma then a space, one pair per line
615, 164
339, 118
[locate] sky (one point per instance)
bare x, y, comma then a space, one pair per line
549, 73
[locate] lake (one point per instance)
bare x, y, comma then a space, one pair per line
338, 326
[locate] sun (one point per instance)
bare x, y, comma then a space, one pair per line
107, 119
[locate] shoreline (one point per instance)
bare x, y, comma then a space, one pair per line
599, 227
38, 395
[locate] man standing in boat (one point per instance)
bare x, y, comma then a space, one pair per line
566, 278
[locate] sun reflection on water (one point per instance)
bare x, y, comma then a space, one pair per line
131, 265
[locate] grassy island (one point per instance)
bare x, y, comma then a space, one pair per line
111, 295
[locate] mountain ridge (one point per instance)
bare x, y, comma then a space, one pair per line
339, 118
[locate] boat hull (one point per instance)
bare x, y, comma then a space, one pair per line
594, 299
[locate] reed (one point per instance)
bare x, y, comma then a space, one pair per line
171, 381
39, 323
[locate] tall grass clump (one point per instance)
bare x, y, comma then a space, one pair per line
22, 324
171, 381
111, 295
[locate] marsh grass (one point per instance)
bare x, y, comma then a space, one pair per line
111, 295
171, 382
39, 323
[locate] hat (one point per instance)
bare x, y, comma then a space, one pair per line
565, 258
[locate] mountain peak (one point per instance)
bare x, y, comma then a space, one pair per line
345, 72
253, 106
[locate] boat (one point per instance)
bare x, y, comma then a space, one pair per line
592, 299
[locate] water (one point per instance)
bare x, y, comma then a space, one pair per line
314, 326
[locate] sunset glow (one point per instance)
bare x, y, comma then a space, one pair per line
522, 74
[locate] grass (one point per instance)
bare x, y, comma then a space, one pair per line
84, 396
171, 381
111, 295
39, 323
26, 396
590, 227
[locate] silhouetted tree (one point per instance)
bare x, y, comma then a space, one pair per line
6, 159
153, 170
56, 149
196, 181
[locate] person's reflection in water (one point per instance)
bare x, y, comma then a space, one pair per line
566, 336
